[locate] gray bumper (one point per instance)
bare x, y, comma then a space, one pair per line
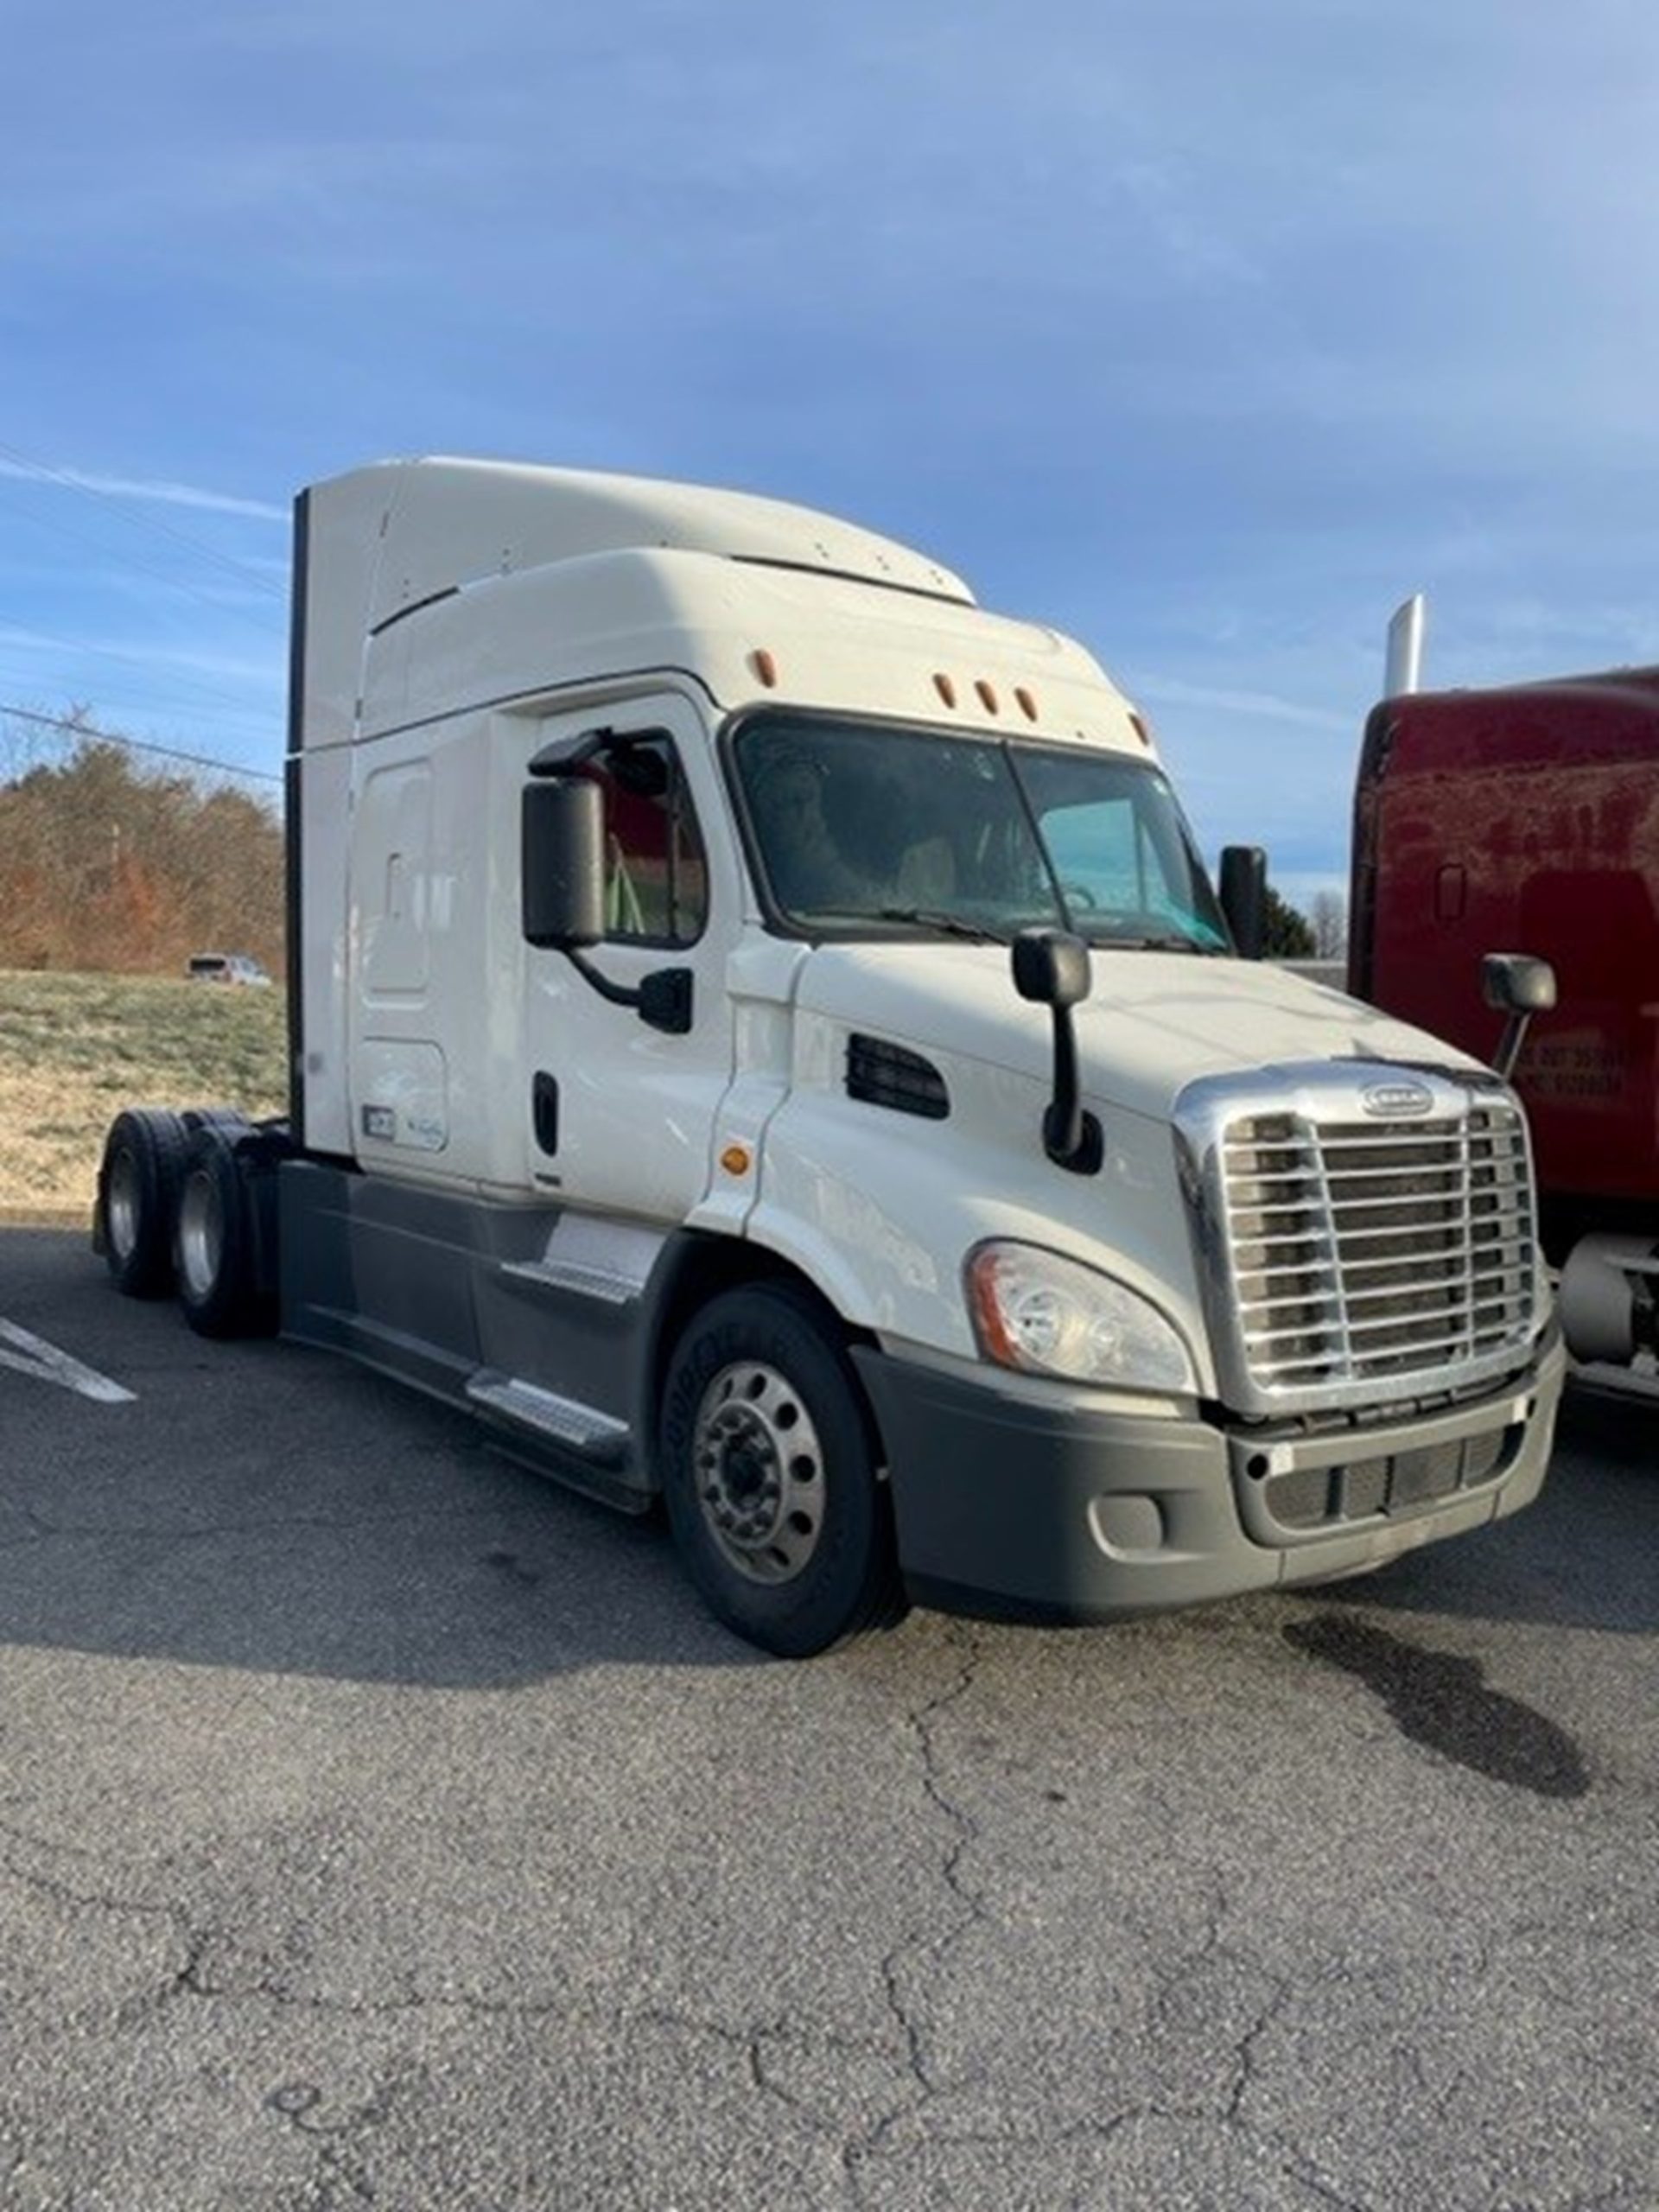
1007, 1503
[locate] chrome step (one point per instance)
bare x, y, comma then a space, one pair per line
562, 1421
580, 1277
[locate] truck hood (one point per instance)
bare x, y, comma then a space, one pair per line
1152, 1023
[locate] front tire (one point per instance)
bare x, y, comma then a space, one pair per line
769, 1474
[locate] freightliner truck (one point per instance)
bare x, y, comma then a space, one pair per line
764, 1041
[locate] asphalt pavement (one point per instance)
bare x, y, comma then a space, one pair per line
381, 1825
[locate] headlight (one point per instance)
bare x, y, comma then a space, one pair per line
1033, 1310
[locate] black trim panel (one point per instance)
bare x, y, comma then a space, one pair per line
1011, 1508
294, 818
414, 607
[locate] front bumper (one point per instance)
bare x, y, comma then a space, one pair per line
1013, 1503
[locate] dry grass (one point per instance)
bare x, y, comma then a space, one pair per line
75, 1049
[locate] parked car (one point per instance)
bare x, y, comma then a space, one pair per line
226, 967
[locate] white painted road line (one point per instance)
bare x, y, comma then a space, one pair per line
33, 1356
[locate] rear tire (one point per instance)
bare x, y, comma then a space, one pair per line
769, 1459
138, 1180
216, 1249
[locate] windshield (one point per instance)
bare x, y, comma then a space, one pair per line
888, 831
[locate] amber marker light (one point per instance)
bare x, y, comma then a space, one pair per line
945, 688
1139, 727
735, 1160
993, 1339
986, 696
1027, 704
765, 667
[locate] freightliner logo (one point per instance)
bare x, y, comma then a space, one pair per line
1396, 1102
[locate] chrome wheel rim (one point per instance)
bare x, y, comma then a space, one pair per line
759, 1471
121, 1204
201, 1234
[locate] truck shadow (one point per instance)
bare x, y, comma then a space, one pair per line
264, 1508
275, 1511
376, 1537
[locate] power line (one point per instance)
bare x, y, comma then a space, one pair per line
120, 556
45, 471
161, 671
249, 727
76, 729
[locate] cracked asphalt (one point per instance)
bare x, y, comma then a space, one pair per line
382, 1826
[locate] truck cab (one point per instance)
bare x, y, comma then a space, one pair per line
1528, 813
765, 1041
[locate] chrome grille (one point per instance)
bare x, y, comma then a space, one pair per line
1367, 1252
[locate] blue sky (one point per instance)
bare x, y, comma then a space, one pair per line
1204, 330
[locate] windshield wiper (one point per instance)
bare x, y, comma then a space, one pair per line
1173, 942
931, 918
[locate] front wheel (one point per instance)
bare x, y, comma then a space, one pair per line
769, 1474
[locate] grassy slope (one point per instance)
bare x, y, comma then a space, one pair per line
75, 1049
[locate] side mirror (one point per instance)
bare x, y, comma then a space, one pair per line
562, 892
1518, 985
1515, 983
1052, 968
562, 861
1245, 897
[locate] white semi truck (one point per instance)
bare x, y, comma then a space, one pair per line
762, 1039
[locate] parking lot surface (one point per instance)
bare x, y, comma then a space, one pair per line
381, 1825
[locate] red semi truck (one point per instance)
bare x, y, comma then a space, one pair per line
1528, 815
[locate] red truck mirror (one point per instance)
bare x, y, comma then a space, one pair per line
1516, 984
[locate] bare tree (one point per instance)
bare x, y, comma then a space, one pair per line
1328, 912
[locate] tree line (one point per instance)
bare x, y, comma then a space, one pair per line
1319, 934
105, 866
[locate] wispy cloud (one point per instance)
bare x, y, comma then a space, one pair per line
128, 487
1171, 692
260, 677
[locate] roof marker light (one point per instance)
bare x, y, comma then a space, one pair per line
986, 696
1027, 704
1139, 727
945, 688
765, 667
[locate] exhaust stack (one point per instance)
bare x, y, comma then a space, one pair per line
1404, 669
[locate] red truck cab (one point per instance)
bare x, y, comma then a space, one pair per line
1527, 816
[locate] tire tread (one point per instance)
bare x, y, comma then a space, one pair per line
825, 1621
158, 1140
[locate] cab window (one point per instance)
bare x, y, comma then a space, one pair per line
656, 876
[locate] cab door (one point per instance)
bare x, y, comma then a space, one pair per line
619, 1114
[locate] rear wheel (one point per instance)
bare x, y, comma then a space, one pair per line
216, 1250
769, 1474
138, 1183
